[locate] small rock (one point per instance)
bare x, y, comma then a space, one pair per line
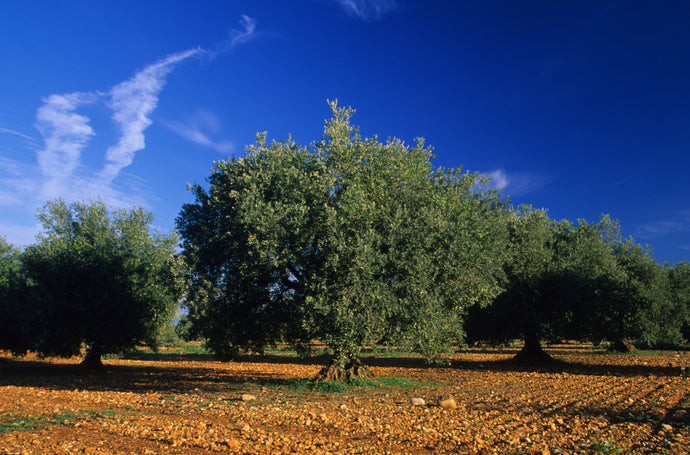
448, 403
666, 427
417, 402
343, 406
248, 397
232, 443
323, 416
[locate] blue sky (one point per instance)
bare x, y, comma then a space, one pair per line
581, 107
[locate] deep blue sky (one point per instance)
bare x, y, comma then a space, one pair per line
581, 107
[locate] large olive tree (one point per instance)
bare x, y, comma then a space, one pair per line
349, 241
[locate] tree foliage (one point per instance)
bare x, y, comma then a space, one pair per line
562, 278
11, 325
679, 288
350, 241
98, 277
645, 307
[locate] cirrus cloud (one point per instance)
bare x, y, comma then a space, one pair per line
367, 10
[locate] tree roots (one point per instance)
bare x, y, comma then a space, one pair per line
353, 369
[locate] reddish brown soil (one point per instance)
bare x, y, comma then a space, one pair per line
591, 402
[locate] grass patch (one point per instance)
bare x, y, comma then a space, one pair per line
162, 354
355, 385
10, 422
405, 383
605, 447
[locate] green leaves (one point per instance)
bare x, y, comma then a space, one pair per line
99, 277
349, 241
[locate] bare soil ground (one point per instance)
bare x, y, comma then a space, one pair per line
591, 402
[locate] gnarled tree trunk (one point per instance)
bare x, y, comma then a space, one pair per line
532, 352
344, 370
92, 360
622, 345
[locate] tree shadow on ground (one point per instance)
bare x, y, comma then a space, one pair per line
180, 377
125, 378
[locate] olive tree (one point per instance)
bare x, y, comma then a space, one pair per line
561, 278
645, 306
99, 277
679, 283
12, 304
349, 241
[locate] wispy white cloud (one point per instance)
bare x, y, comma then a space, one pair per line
678, 223
17, 133
17, 182
517, 183
499, 179
367, 10
199, 129
132, 102
236, 37
66, 133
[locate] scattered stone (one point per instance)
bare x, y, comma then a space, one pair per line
248, 397
666, 427
448, 403
417, 402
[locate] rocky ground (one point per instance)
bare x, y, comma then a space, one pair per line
591, 402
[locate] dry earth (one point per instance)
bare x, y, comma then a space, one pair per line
592, 402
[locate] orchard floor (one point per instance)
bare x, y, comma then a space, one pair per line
591, 402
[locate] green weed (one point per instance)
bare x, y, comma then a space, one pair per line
605, 447
10, 422
357, 385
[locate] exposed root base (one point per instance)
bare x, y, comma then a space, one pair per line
622, 346
91, 364
353, 370
533, 356
92, 360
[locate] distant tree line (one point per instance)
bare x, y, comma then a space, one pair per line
349, 241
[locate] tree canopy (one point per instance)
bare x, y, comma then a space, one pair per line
97, 277
562, 280
11, 326
350, 241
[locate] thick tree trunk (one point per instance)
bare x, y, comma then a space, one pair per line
623, 345
532, 352
92, 360
350, 369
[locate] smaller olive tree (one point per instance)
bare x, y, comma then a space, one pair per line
645, 309
12, 327
563, 280
101, 278
679, 284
